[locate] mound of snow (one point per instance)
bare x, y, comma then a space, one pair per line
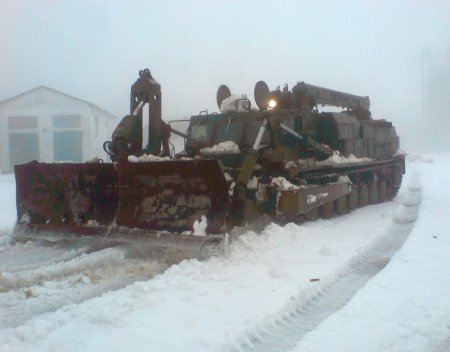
235, 103
227, 147
200, 226
399, 152
283, 185
146, 158
337, 159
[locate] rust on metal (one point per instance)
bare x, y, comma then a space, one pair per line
66, 194
172, 195
159, 196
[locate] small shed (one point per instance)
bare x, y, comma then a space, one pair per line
47, 125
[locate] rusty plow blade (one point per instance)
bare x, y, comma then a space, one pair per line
156, 202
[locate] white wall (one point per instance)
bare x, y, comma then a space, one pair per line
45, 103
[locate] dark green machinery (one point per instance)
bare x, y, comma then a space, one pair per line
284, 160
330, 162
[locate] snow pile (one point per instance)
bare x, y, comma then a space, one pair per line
184, 158
228, 177
283, 185
146, 158
200, 226
342, 179
95, 160
253, 183
312, 198
399, 152
294, 164
227, 147
26, 218
337, 159
66, 162
238, 102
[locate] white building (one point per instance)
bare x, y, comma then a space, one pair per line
47, 125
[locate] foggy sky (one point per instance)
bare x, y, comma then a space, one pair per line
94, 49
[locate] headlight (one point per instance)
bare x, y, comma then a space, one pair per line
272, 103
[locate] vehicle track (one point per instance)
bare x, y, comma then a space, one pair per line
36, 279
310, 307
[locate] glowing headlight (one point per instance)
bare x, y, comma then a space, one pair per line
272, 103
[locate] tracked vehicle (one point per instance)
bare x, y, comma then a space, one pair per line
284, 160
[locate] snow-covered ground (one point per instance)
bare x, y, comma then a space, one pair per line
377, 279
7, 201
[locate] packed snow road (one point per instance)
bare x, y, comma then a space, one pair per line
38, 277
285, 288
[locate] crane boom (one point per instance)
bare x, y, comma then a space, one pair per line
325, 96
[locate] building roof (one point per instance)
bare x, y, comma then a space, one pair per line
59, 93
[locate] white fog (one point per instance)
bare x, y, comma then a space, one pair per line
369, 274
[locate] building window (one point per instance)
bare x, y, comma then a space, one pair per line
23, 148
67, 138
68, 146
67, 121
17, 122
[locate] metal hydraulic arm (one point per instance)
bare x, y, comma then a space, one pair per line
128, 136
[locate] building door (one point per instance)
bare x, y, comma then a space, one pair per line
67, 146
23, 147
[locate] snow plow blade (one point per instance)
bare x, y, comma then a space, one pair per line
156, 201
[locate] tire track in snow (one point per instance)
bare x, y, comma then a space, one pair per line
18, 279
16, 256
27, 293
16, 261
311, 306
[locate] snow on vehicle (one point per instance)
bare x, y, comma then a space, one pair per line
285, 160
